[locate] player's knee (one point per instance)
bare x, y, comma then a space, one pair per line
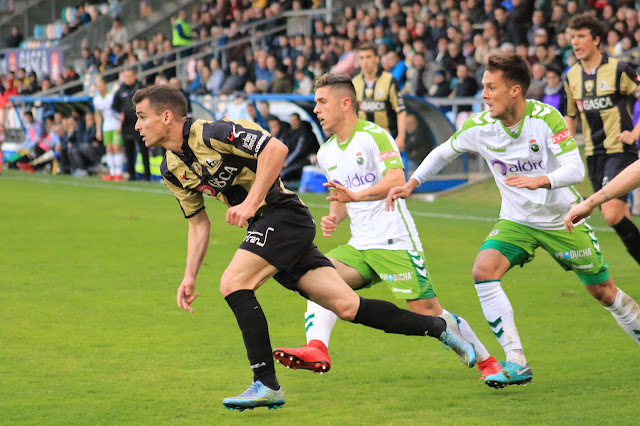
612, 217
346, 310
228, 284
604, 293
483, 272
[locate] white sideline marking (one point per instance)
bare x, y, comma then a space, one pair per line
163, 190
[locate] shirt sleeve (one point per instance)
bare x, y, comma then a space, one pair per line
191, 202
571, 107
570, 172
397, 103
241, 137
385, 151
629, 82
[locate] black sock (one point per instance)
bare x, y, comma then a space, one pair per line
630, 236
388, 317
255, 333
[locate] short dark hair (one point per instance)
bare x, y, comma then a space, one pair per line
514, 68
589, 22
161, 98
340, 82
368, 46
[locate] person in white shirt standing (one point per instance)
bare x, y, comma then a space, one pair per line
534, 160
361, 162
108, 130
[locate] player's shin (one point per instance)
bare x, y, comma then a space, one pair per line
630, 236
318, 323
255, 333
499, 314
388, 317
626, 312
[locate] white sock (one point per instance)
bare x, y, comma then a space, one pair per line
467, 333
626, 312
499, 313
111, 163
119, 163
318, 323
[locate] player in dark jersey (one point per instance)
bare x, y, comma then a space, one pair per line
239, 163
602, 91
379, 95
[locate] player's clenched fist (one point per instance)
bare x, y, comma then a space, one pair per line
328, 224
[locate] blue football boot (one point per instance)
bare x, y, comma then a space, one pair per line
257, 395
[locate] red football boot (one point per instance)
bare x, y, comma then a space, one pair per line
313, 356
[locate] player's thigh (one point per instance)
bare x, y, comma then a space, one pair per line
351, 265
508, 244
578, 251
247, 271
325, 287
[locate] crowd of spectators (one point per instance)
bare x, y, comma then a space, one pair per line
434, 48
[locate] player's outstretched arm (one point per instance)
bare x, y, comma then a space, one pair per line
197, 244
402, 191
623, 183
379, 191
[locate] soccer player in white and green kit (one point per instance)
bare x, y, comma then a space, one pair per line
534, 160
361, 162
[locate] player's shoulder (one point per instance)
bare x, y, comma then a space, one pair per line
546, 114
476, 122
574, 72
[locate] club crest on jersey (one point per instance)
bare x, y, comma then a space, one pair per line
534, 146
368, 92
359, 159
197, 168
588, 85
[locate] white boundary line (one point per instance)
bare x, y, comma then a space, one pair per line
89, 183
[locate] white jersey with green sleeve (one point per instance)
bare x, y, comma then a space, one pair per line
541, 145
358, 164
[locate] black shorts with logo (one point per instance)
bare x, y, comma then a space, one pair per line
604, 167
283, 236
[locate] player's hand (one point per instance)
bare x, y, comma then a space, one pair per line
397, 192
400, 142
528, 182
329, 224
576, 214
99, 135
627, 137
185, 294
238, 215
340, 193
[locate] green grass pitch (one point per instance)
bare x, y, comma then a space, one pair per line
90, 332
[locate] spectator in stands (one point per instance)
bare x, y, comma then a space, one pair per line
554, 94
175, 83
302, 84
117, 34
202, 87
467, 86
302, 143
282, 82
420, 76
395, 65
21, 88
235, 80
440, 87
73, 130
538, 83
547, 56
82, 16
123, 105
87, 151
119, 55
264, 69
15, 38
347, 59
91, 63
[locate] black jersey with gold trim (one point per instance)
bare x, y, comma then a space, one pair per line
604, 101
220, 159
381, 102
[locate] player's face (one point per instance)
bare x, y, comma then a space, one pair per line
584, 45
150, 125
368, 61
497, 94
328, 109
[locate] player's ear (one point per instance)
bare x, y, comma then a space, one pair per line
167, 117
346, 104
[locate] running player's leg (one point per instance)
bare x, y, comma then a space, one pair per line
319, 321
325, 287
579, 251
